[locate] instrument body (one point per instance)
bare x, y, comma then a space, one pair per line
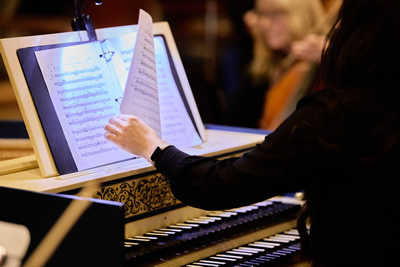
143, 196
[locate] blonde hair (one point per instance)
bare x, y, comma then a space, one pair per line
303, 17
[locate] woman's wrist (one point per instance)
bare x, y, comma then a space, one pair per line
155, 149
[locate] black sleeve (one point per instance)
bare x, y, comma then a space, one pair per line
279, 164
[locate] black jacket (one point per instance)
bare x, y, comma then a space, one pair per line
338, 147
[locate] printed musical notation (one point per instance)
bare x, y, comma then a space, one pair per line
82, 93
141, 92
177, 127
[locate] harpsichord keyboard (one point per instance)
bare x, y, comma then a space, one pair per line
201, 237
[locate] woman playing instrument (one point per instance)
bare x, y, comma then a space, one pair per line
341, 146
275, 25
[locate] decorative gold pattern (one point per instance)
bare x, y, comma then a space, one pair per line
140, 195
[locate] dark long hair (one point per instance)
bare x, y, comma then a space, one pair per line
362, 51
364, 46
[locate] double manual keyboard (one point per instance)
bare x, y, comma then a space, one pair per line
210, 229
268, 251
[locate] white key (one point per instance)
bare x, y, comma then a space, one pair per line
239, 253
261, 245
204, 264
197, 221
213, 262
276, 239
223, 259
188, 224
145, 237
229, 256
288, 237
252, 249
181, 227
211, 217
174, 230
164, 232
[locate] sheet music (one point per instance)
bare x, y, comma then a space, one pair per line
176, 125
141, 93
81, 90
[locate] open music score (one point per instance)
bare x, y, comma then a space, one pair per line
86, 81
141, 92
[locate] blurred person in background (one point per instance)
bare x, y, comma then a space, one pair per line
288, 36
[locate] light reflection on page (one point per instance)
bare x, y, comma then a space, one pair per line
79, 85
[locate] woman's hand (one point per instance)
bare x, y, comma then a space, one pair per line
132, 135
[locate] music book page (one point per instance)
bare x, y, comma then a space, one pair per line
141, 92
81, 89
176, 125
